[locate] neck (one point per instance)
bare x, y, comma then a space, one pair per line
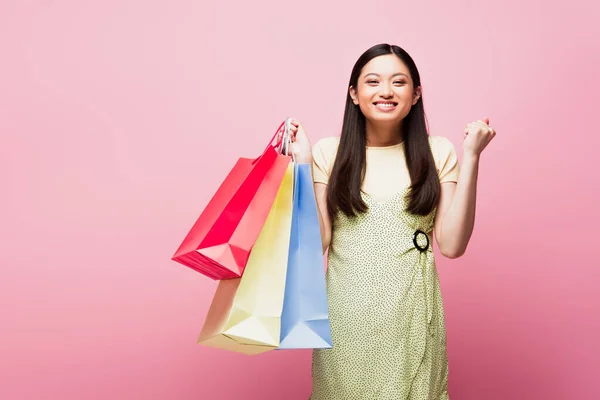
381, 134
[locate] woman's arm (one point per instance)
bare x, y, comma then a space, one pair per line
324, 220
302, 151
455, 216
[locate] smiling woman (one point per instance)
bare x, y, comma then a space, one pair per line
384, 188
390, 91
384, 107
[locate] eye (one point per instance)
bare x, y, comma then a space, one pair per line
399, 83
372, 82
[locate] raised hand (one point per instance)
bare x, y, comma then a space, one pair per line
477, 135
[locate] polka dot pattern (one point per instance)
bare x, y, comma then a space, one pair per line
385, 309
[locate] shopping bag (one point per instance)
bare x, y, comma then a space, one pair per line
245, 314
219, 243
304, 319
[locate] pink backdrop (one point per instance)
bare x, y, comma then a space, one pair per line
118, 119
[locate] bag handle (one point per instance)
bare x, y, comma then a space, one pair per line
280, 141
287, 139
285, 127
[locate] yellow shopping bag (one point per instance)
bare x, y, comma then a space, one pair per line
245, 314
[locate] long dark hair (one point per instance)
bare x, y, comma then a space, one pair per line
344, 188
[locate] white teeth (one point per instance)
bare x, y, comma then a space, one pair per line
386, 105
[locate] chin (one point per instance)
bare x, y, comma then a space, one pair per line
385, 118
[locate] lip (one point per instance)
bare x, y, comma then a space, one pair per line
383, 107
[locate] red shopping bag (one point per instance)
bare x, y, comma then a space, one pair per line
220, 241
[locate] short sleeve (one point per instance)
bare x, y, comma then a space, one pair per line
324, 152
446, 159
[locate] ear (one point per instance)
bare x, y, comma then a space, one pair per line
416, 95
352, 92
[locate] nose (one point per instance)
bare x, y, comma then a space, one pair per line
386, 90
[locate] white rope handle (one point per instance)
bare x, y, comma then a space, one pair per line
287, 138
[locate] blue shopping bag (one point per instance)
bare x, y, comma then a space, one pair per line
305, 317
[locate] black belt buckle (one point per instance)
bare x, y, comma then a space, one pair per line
421, 249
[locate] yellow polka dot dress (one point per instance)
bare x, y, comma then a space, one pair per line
385, 307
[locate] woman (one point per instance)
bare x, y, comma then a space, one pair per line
384, 189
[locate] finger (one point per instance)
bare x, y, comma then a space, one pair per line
486, 120
291, 127
481, 126
484, 127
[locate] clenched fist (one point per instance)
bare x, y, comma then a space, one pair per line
478, 135
300, 145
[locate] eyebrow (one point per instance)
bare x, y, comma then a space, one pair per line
396, 74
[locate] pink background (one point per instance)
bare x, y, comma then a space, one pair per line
118, 119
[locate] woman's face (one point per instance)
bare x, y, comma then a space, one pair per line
385, 91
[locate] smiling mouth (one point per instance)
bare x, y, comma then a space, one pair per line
385, 105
